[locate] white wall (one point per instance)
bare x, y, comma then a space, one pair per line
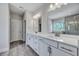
44, 19
35, 25
44, 14
29, 21
4, 27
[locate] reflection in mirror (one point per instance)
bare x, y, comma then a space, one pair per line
71, 25
66, 25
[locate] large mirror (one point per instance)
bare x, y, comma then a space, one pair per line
65, 19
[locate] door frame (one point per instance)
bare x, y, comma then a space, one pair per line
24, 25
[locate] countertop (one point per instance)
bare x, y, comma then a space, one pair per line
66, 39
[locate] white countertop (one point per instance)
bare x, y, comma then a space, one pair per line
68, 39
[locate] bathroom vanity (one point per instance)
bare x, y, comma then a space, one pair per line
50, 45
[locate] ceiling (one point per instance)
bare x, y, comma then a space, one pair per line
21, 7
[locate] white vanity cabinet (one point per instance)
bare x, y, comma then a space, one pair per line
27, 39
35, 43
52, 49
30, 40
46, 47
43, 48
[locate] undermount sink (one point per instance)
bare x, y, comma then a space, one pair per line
57, 39
60, 40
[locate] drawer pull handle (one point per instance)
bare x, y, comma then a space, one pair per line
66, 49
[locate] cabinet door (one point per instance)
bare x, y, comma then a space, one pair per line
43, 48
57, 52
31, 41
28, 39
35, 43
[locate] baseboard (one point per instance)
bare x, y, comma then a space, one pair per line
16, 41
4, 50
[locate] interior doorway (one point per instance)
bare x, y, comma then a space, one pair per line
17, 27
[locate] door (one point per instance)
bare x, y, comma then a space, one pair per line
24, 30
16, 30
43, 48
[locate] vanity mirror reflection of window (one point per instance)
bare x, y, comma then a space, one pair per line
58, 25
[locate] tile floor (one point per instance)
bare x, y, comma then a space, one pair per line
19, 50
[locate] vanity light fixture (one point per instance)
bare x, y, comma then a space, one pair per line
53, 6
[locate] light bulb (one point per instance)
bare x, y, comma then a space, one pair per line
51, 5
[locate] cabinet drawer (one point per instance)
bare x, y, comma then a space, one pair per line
69, 49
58, 52
50, 42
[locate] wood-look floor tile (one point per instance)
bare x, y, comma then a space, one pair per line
19, 50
